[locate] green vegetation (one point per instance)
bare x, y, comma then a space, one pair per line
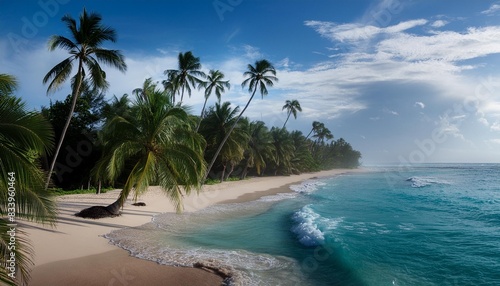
86, 49
24, 138
133, 144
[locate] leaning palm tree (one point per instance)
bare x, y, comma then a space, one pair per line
85, 49
316, 126
292, 106
8, 84
187, 75
259, 77
24, 137
154, 146
214, 83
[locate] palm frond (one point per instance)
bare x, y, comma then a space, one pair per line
59, 74
8, 84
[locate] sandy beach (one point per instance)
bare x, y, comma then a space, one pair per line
75, 253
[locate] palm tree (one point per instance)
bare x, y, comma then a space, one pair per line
147, 86
24, 137
215, 127
316, 125
260, 148
322, 133
8, 84
214, 83
302, 160
284, 150
154, 146
259, 77
119, 106
171, 85
86, 49
292, 107
186, 76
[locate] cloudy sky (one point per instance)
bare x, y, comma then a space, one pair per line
401, 80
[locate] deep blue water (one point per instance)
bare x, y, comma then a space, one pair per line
420, 225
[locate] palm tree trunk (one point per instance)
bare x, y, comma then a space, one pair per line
182, 95
223, 172
115, 207
202, 113
245, 171
312, 129
76, 92
227, 136
288, 117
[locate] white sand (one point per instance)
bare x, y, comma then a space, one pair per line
75, 237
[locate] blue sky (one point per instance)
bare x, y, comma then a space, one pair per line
403, 81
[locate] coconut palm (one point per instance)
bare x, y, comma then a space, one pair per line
154, 146
292, 106
215, 126
24, 137
187, 75
322, 133
284, 150
85, 49
302, 160
316, 126
8, 84
147, 86
214, 83
260, 147
171, 85
258, 77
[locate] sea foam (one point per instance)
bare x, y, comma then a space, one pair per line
310, 227
420, 182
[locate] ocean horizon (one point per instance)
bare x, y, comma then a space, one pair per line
427, 224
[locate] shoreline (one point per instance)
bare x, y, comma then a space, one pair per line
77, 244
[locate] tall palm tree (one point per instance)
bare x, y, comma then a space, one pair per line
214, 83
85, 49
24, 137
258, 77
187, 75
154, 146
292, 106
8, 84
215, 127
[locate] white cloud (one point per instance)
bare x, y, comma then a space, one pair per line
420, 104
392, 112
439, 23
495, 126
353, 32
492, 10
483, 121
474, 43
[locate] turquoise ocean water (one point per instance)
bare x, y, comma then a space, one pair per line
436, 224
